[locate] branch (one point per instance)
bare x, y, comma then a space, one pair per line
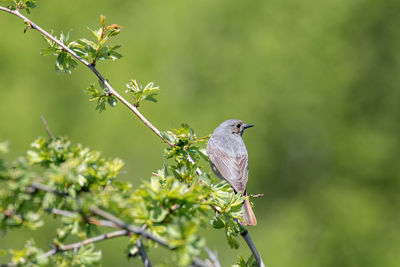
246, 236
142, 253
67, 213
111, 90
131, 228
77, 245
112, 221
211, 262
213, 257
85, 242
47, 128
199, 263
42, 187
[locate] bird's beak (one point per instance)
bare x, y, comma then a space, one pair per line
248, 126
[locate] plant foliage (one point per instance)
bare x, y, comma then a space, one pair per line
69, 181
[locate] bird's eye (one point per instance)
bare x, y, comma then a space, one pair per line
237, 125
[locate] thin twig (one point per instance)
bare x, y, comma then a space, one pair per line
85, 242
47, 128
246, 236
67, 213
211, 262
77, 245
213, 257
112, 220
199, 263
142, 253
48, 189
129, 227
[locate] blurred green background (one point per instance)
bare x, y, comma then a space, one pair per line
319, 79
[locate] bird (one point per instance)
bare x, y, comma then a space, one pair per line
229, 160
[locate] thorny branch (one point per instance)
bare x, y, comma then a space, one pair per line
134, 109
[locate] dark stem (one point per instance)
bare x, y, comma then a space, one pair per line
142, 253
246, 236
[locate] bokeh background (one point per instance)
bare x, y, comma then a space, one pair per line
319, 79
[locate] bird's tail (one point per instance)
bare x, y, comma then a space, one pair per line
248, 215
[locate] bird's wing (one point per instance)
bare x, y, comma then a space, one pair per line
234, 169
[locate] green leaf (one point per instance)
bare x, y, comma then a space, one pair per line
140, 93
217, 223
65, 63
97, 33
112, 101
21, 4
49, 51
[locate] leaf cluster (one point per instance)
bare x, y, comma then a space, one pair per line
86, 49
102, 96
94, 51
140, 93
26, 5
185, 144
171, 205
251, 262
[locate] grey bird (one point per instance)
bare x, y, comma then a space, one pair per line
229, 160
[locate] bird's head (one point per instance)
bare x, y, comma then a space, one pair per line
235, 127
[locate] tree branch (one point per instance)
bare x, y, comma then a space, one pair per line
142, 253
67, 213
45, 188
88, 241
77, 245
246, 236
112, 221
132, 228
